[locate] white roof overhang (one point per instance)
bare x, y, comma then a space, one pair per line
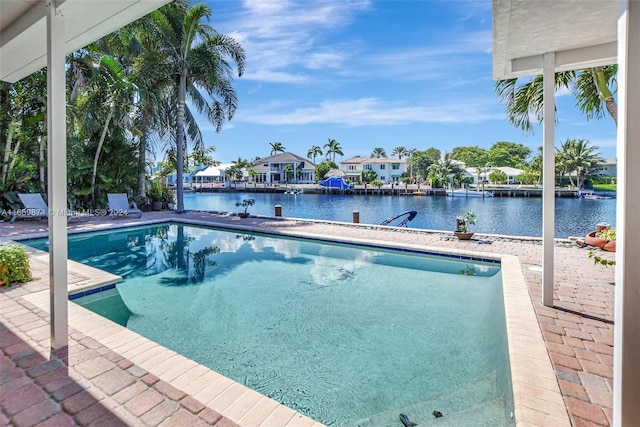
23, 41
581, 33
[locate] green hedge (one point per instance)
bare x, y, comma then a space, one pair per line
14, 264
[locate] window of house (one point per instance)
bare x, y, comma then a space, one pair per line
395, 166
382, 167
368, 167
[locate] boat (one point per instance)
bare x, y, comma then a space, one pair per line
468, 193
336, 182
295, 191
408, 216
595, 197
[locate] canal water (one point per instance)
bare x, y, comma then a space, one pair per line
497, 215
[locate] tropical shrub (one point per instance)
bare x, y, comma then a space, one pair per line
14, 264
498, 177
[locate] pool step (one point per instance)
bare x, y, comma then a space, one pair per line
474, 404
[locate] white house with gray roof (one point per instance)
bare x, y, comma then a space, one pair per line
387, 170
272, 169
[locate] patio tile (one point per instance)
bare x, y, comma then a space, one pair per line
192, 405
21, 398
143, 402
113, 381
183, 418
586, 411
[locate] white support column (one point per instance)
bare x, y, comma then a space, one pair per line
626, 354
57, 176
548, 178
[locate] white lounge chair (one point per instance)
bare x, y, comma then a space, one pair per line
36, 208
119, 205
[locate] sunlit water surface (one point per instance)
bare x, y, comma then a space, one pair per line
345, 335
497, 215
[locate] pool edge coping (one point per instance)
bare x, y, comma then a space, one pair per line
537, 396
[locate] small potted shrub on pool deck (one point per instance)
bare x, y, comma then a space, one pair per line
160, 196
462, 225
154, 193
14, 264
245, 204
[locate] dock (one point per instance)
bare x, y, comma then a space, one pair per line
386, 190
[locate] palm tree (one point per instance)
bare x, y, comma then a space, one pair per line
241, 163
234, 174
446, 170
277, 147
138, 48
576, 155
379, 152
252, 174
333, 148
313, 152
100, 103
197, 58
288, 173
400, 152
589, 86
116, 88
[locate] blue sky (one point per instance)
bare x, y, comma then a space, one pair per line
412, 73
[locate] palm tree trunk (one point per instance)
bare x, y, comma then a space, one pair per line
13, 160
142, 163
182, 89
612, 108
600, 80
97, 156
7, 149
41, 163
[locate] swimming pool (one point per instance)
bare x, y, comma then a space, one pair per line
345, 335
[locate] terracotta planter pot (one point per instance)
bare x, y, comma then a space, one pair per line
591, 240
463, 236
610, 246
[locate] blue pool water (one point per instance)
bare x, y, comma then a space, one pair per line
346, 335
497, 215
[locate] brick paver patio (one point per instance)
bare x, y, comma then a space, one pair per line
93, 385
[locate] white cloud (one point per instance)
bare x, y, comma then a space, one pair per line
275, 76
606, 142
289, 41
374, 112
280, 36
324, 60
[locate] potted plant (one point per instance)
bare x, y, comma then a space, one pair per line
609, 235
155, 195
166, 196
604, 239
462, 225
160, 196
245, 204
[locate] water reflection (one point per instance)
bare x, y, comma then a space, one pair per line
179, 255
